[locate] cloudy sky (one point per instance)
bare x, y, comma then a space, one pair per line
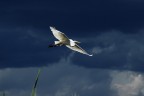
113, 30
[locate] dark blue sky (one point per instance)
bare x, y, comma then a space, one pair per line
74, 15
25, 34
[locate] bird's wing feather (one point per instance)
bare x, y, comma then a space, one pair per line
59, 35
78, 49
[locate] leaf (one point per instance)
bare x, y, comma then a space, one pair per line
35, 84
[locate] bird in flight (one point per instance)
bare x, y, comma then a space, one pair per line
64, 40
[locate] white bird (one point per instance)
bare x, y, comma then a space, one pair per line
64, 40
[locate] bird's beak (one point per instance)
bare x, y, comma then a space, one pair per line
77, 42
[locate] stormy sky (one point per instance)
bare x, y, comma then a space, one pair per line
112, 30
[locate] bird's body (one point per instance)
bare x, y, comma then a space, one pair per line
64, 40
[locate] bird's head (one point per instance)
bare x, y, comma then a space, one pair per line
52, 28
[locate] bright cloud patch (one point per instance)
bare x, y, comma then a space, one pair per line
128, 83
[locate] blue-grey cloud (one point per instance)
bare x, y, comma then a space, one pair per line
60, 79
64, 78
116, 51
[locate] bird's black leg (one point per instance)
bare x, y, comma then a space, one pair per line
52, 45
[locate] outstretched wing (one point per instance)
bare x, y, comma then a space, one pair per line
59, 35
78, 49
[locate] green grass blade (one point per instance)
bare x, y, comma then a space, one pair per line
35, 84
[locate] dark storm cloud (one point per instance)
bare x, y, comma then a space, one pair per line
75, 15
26, 47
26, 26
115, 50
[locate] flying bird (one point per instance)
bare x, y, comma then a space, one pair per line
64, 40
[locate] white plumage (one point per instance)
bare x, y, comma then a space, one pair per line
64, 40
